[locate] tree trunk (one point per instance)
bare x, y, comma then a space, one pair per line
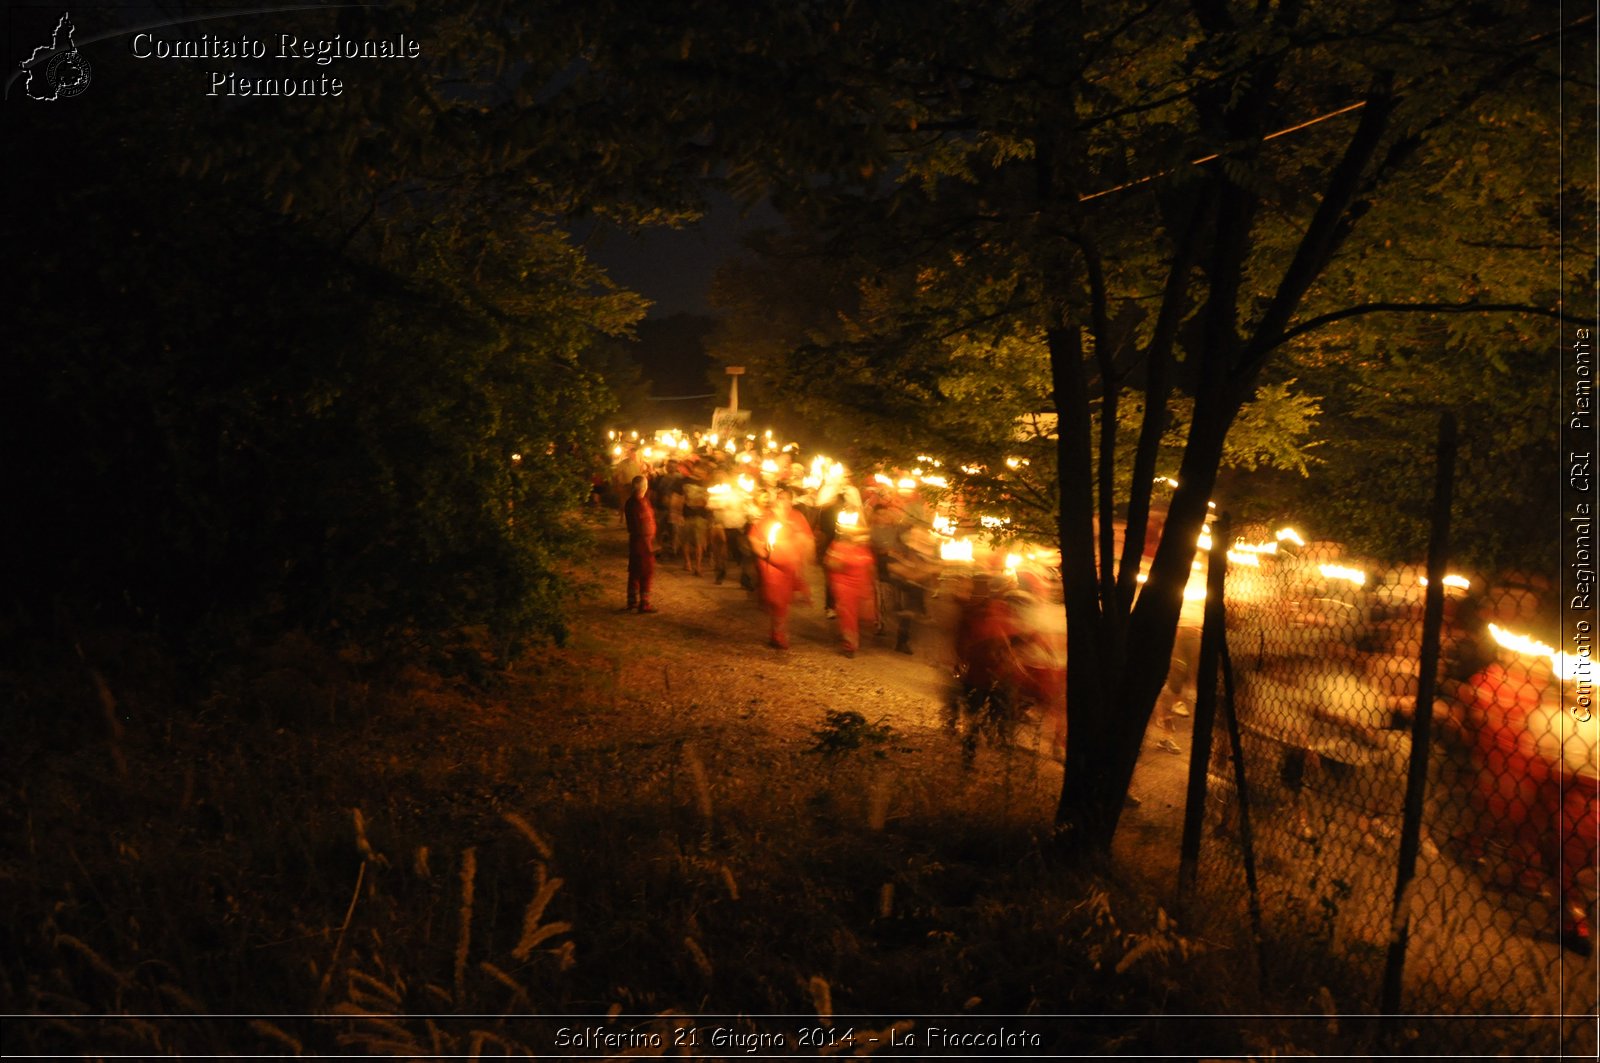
1111, 695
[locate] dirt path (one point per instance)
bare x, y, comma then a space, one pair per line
709, 643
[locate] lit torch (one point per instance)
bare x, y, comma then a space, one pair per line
1567, 667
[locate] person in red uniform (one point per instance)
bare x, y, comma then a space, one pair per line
781, 541
1526, 795
1004, 667
641, 519
851, 566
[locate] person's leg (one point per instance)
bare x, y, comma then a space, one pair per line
647, 571
778, 610
846, 602
719, 552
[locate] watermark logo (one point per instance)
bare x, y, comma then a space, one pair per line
57, 71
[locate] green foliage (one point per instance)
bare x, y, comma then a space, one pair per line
1376, 487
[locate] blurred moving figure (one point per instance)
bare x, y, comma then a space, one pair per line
1535, 790
851, 569
781, 543
1010, 662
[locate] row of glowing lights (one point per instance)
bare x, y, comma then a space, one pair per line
1242, 553
1249, 554
675, 441
672, 441
824, 471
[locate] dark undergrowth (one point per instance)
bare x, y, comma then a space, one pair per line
290, 859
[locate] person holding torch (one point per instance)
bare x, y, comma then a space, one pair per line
851, 567
781, 541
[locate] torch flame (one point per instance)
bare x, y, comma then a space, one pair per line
849, 519
772, 535
1567, 666
956, 550
1520, 643
1353, 575
1291, 536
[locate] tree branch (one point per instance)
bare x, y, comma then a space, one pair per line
1100, 328
1158, 360
1421, 308
1323, 234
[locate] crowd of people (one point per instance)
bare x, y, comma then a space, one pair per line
762, 517
765, 523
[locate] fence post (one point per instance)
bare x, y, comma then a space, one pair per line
1205, 711
1247, 843
1422, 723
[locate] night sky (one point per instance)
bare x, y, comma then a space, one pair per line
674, 267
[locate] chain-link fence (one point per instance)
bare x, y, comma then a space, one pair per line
1324, 653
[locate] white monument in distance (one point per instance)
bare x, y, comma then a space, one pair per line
729, 420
